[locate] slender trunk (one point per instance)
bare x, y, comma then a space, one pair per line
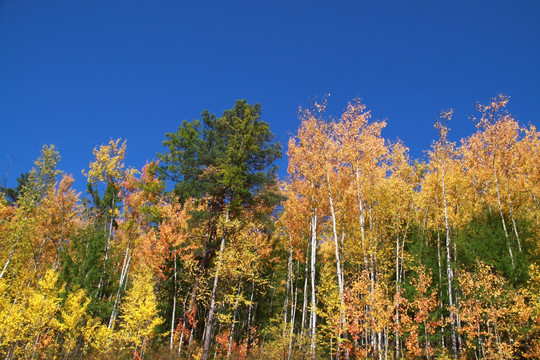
35, 345
219, 332
379, 344
12, 250
313, 320
481, 342
123, 274
60, 245
398, 290
458, 318
288, 290
234, 319
502, 218
250, 315
37, 258
449, 268
535, 203
427, 345
373, 277
189, 318
192, 331
304, 305
338, 262
440, 284
188, 322
386, 343
107, 247
9, 258
361, 217
513, 220
293, 312
497, 338
183, 329
439, 263
211, 308
171, 345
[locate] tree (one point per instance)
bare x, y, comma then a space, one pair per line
441, 160
227, 163
494, 156
307, 173
107, 170
74, 318
12, 194
139, 312
230, 158
487, 311
41, 179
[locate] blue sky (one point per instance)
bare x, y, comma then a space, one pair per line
78, 73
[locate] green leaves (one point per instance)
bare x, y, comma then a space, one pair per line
42, 177
229, 158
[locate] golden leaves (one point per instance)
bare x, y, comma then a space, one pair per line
109, 162
139, 311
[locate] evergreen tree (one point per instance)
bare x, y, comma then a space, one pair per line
228, 163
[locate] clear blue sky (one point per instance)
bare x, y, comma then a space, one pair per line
78, 73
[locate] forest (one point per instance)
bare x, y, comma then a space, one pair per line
361, 252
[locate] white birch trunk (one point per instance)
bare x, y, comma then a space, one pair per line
397, 321
12, 251
234, 319
338, 261
448, 267
211, 308
250, 311
304, 304
288, 290
293, 313
313, 320
513, 220
171, 345
123, 274
502, 217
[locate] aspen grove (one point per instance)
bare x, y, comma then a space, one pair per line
359, 253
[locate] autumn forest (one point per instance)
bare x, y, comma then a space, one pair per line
361, 252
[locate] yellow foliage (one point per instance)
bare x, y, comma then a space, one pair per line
139, 312
109, 162
73, 317
28, 315
98, 336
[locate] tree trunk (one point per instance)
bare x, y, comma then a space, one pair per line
13, 250
234, 319
107, 247
171, 345
513, 220
397, 322
502, 218
361, 216
288, 289
123, 274
449, 269
304, 304
313, 320
440, 283
250, 315
183, 329
293, 311
338, 261
9, 258
211, 308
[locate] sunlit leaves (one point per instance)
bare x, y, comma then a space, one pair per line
109, 162
372, 254
139, 312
